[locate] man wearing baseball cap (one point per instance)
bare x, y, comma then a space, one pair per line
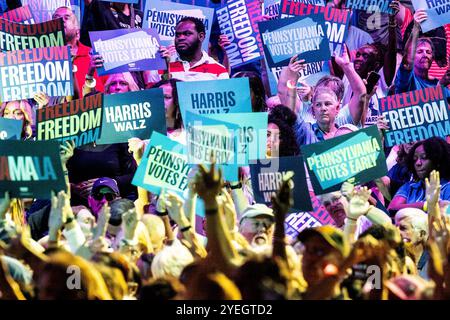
257, 224
103, 190
325, 248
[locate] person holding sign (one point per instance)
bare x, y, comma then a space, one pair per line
102, 15
19, 110
413, 73
326, 106
109, 160
424, 157
80, 52
192, 64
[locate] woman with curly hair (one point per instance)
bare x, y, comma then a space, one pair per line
281, 140
19, 110
424, 157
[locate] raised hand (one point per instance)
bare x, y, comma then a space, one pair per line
284, 199
395, 6
433, 189
347, 189
343, 60
96, 61
223, 41
66, 151
136, 146
102, 222
42, 99
359, 204
60, 210
161, 202
419, 16
295, 65
130, 221
174, 204
208, 183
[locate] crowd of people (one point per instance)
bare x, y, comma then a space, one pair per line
105, 238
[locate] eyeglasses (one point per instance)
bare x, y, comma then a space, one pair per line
100, 196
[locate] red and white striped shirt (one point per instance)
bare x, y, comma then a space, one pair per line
205, 69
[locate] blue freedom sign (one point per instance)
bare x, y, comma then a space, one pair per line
132, 114
128, 50
416, 115
238, 20
358, 156
302, 36
370, 5
47, 70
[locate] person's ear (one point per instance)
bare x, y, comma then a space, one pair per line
201, 36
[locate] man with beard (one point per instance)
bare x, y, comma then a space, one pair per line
192, 63
257, 224
79, 51
413, 73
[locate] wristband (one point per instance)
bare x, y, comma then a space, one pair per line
89, 77
210, 212
238, 186
90, 83
161, 214
425, 206
69, 220
185, 229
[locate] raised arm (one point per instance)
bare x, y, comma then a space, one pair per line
287, 84
356, 84
410, 48
208, 184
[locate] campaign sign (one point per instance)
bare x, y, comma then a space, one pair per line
164, 165
370, 5
19, 15
415, 115
30, 169
268, 174
132, 114
78, 120
10, 129
251, 135
336, 21
214, 96
17, 36
358, 155
438, 12
238, 20
163, 16
128, 50
43, 10
271, 8
303, 36
23, 73
206, 137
